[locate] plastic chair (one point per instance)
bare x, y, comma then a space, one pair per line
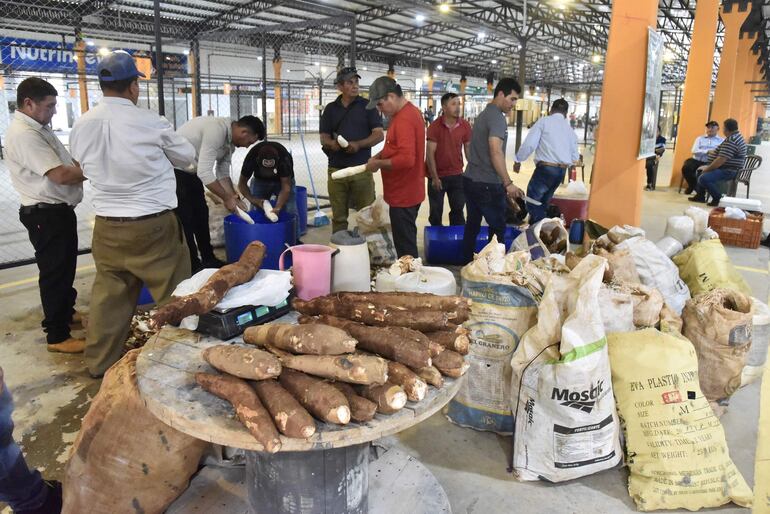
744, 175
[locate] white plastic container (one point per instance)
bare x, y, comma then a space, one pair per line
429, 279
760, 339
350, 268
681, 228
747, 204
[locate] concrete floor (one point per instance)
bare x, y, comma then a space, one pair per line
52, 393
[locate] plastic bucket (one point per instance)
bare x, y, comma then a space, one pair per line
145, 298
300, 194
444, 245
571, 208
275, 236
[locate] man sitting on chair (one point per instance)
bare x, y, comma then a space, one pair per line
729, 158
700, 150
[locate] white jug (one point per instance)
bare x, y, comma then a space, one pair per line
350, 271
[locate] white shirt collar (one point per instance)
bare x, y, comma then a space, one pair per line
117, 100
28, 120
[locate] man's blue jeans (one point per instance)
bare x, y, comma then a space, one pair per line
485, 200
20, 488
543, 184
709, 181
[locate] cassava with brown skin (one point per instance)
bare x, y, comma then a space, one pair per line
410, 301
451, 364
370, 314
313, 339
243, 362
320, 399
378, 340
361, 409
354, 369
418, 337
291, 418
414, 387
214, 289
248, 408
389, 397
431, 375
457, 341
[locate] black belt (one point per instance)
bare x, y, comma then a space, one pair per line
133, 218
29, 209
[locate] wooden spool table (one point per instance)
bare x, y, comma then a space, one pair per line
328, 472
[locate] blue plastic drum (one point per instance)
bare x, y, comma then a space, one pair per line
444, 245
300, 193
275, 236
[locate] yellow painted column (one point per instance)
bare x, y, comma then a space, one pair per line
697, 84
727, 65
742, 74
392, 72
80, 55
747, 101
194, 93
616, 189
278, 99
463, 87
430, 90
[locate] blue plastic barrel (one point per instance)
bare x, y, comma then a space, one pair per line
145, 298
300, 194
275, 236
444, 245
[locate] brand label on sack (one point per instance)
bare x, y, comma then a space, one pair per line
581, 400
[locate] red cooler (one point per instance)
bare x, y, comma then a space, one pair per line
572, 207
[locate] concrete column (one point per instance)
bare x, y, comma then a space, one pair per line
747, 99
697, 84
616, 188
430, 89
277, 62
732, 19
80, 54
463, 86
391, 72
743, 72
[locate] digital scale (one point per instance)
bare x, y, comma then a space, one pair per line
232, 322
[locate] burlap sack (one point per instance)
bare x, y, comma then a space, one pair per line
621, 266
648, 303
670, 321
124, 459
719, 325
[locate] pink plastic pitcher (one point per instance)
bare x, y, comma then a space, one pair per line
312, 269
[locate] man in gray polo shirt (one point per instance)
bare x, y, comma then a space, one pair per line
486, 182
50, 185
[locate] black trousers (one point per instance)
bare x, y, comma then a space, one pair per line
54, 235
194, 215
690, 172
453, 187
650, 167
403, 223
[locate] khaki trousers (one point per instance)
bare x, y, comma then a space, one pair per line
128, 254
354, 192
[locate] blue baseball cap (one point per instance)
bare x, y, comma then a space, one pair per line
118, 65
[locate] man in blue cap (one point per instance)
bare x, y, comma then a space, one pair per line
129, 155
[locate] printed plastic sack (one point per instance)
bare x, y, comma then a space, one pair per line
760, 339
373, 223
675, 446
566, 424
618, 234
622, 267
503, 309
617, 310
706, 266
700, 218
681, 228
670, 246
657, 271
545, 237
719, 324
124, 458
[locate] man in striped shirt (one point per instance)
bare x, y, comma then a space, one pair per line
728, 160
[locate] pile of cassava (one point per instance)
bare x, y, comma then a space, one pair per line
352, 355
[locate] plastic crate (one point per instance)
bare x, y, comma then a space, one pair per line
743, 233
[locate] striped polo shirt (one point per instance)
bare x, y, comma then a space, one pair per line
734, 150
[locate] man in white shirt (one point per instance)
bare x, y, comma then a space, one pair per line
129, 155
700, 154
555, 146
213, 139
50, 185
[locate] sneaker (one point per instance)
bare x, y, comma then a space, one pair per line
53, 500
713, 203
70, 345
213, 262
697, 198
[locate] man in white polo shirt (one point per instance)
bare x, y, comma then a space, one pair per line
129, 155
50, 185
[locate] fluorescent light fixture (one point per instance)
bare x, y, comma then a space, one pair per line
596, 58
555, 57
420, 18
494, 61
90, 43
439, 67
402, 72
482, 35
444, 8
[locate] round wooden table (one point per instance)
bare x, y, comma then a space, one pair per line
325, 473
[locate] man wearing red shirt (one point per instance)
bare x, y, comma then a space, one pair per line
446, 138
402, 161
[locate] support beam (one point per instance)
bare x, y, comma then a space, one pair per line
195, 76
159, 59
616, 187
732, 20
463, 86
80, 53
697, 84
277, 62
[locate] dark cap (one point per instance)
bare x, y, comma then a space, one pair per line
117, 65
346, 74
380, 89
712, 123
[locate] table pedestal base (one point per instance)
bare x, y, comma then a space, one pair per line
334, 480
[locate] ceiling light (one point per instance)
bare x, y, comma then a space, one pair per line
316, 63
90, 43
668, 55
420, 18
259, 58
482, 35
426, 78
104, 51
186, 52
444, 8
555, 57
402, 72
596, 58
494, 61
439, 67
560, 4
288, 71
365, 68
323, 69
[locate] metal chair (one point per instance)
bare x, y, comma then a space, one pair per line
744, 175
